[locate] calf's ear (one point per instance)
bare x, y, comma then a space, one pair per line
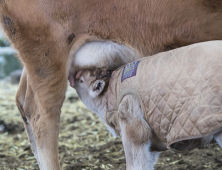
97, 88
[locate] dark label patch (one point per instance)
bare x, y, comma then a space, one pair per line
129, 70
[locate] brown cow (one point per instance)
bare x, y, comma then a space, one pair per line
49, 33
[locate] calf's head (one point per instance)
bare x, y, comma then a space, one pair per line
91, 87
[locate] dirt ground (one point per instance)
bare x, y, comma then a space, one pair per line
84, 142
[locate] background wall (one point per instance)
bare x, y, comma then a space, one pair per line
8, 61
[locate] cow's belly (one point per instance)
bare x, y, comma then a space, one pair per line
104, 54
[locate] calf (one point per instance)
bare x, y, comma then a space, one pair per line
54, 38
171, 100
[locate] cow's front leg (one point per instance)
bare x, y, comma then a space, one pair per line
135, 136
39, 100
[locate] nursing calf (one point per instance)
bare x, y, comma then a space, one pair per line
172, 100
54, 37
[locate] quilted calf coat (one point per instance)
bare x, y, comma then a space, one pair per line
180, 92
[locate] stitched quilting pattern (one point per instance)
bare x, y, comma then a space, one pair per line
181, 91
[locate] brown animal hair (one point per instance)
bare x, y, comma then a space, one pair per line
48, 33
101, 74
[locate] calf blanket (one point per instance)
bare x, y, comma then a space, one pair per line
180, 92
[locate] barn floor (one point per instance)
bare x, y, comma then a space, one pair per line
84, 142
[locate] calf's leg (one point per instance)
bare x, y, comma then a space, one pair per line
135, 136
218, 138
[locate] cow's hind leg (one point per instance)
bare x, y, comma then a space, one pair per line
39, 100
20, 101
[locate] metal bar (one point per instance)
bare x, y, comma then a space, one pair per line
7, 50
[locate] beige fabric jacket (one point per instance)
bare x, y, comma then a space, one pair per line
180, 91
